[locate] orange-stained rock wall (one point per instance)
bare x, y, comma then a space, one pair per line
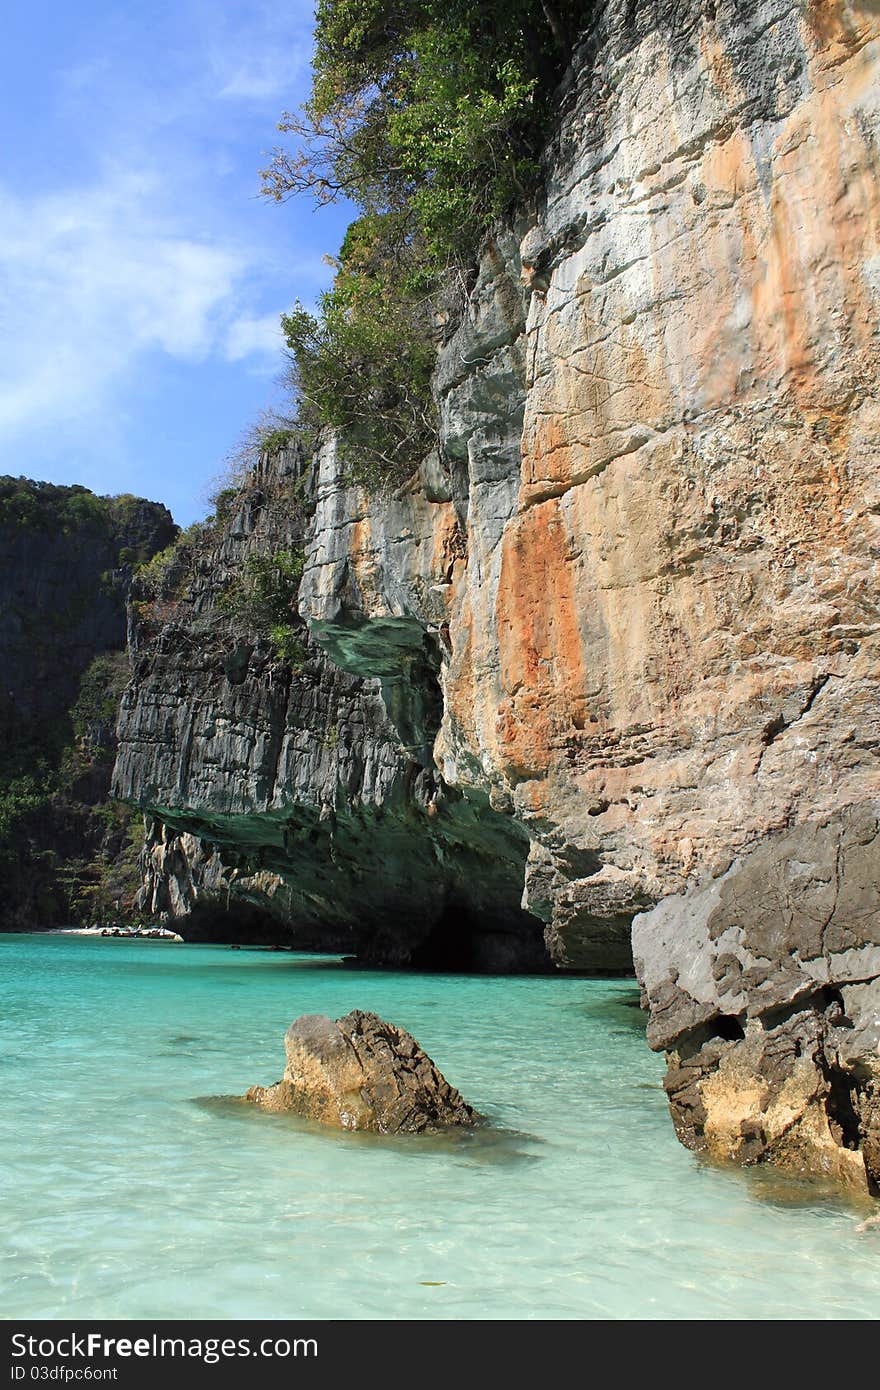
650, 544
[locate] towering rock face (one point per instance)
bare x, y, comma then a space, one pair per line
66, 561
309, 794
626, 617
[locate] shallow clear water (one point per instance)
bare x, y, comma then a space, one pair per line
129, 1192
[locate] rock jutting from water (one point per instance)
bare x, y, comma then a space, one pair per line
362, 1073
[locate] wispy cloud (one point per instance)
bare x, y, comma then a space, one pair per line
95, 279
260, 51
249, 336
271, 77
141, 279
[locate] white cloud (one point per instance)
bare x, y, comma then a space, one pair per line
137, 264
265, 79
249, 336
261, 52
93, 280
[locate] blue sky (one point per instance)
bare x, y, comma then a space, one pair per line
141, 276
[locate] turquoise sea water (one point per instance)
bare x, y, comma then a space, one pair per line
130, 1190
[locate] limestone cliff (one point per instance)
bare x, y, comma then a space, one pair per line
66, 561
308, 795
611, 658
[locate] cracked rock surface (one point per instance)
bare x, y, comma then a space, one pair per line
763, 986
362, 1073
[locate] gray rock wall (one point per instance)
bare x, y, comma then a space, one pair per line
309, 793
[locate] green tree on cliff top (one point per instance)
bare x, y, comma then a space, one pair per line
429, 116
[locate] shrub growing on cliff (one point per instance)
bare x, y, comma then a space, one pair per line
267, 434
93, 714
433, 109
168, 568
262, 600
242, 476
152, 574
363, 366
429, 116
280, 438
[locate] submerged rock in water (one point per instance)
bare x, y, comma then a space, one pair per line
362, 1073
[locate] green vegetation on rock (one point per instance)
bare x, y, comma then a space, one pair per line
93, 715
430, 117
67, 853
262, 599
28, 505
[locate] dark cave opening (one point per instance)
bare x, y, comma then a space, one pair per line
232, 924
463, 940
729, 1027
235, 922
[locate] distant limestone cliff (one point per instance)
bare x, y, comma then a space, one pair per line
601, 679
66, 561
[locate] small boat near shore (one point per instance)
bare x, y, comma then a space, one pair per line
141, 933
153, 933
